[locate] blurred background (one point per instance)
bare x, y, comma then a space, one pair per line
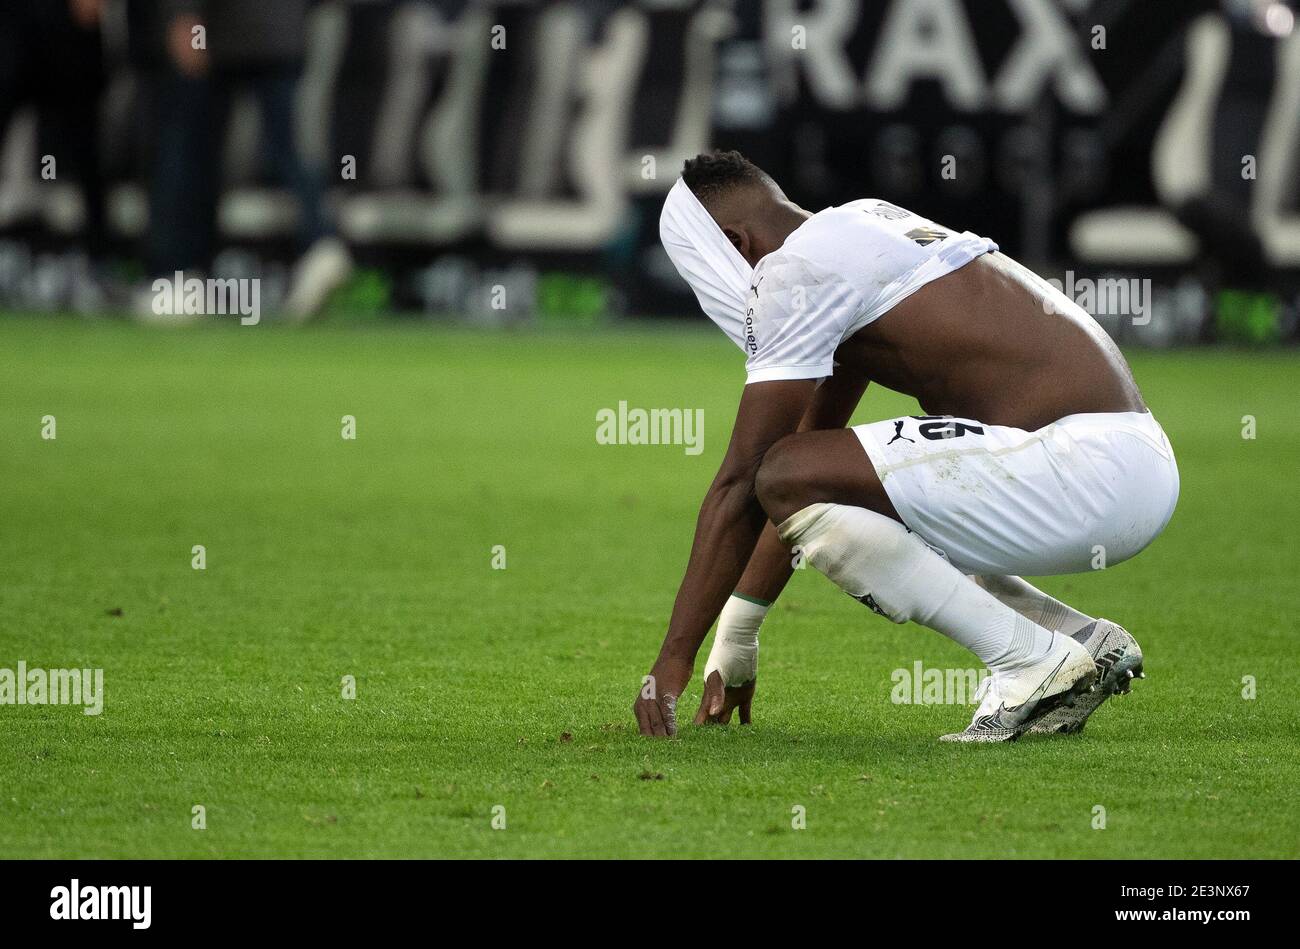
502, 163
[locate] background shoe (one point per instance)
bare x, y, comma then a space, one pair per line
324, 268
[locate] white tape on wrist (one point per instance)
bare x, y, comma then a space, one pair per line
735, 644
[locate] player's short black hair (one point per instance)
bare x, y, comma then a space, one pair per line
714, 174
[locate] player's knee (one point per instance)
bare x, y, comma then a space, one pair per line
779, 483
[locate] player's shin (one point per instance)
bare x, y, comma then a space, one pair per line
1032, 603
880, 562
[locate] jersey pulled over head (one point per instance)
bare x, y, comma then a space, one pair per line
706, 259
788, 286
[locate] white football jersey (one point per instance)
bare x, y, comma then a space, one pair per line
838, 271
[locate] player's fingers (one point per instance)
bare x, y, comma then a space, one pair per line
705, 714
643, 721
715, 693
670, 715
709, 700
655, 720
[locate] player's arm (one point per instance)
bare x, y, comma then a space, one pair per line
726, 533
731, 670
769, 569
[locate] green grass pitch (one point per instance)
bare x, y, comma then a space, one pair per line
478, 688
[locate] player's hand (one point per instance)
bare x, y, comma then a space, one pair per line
719, 702
655, 707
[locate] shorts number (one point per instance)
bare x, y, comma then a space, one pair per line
946, 428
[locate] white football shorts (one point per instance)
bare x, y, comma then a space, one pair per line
1085, 492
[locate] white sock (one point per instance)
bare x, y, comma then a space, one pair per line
1031, 602
880, 562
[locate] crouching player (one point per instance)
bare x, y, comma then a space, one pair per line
1035, 456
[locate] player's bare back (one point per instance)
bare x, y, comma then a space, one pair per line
985, 342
